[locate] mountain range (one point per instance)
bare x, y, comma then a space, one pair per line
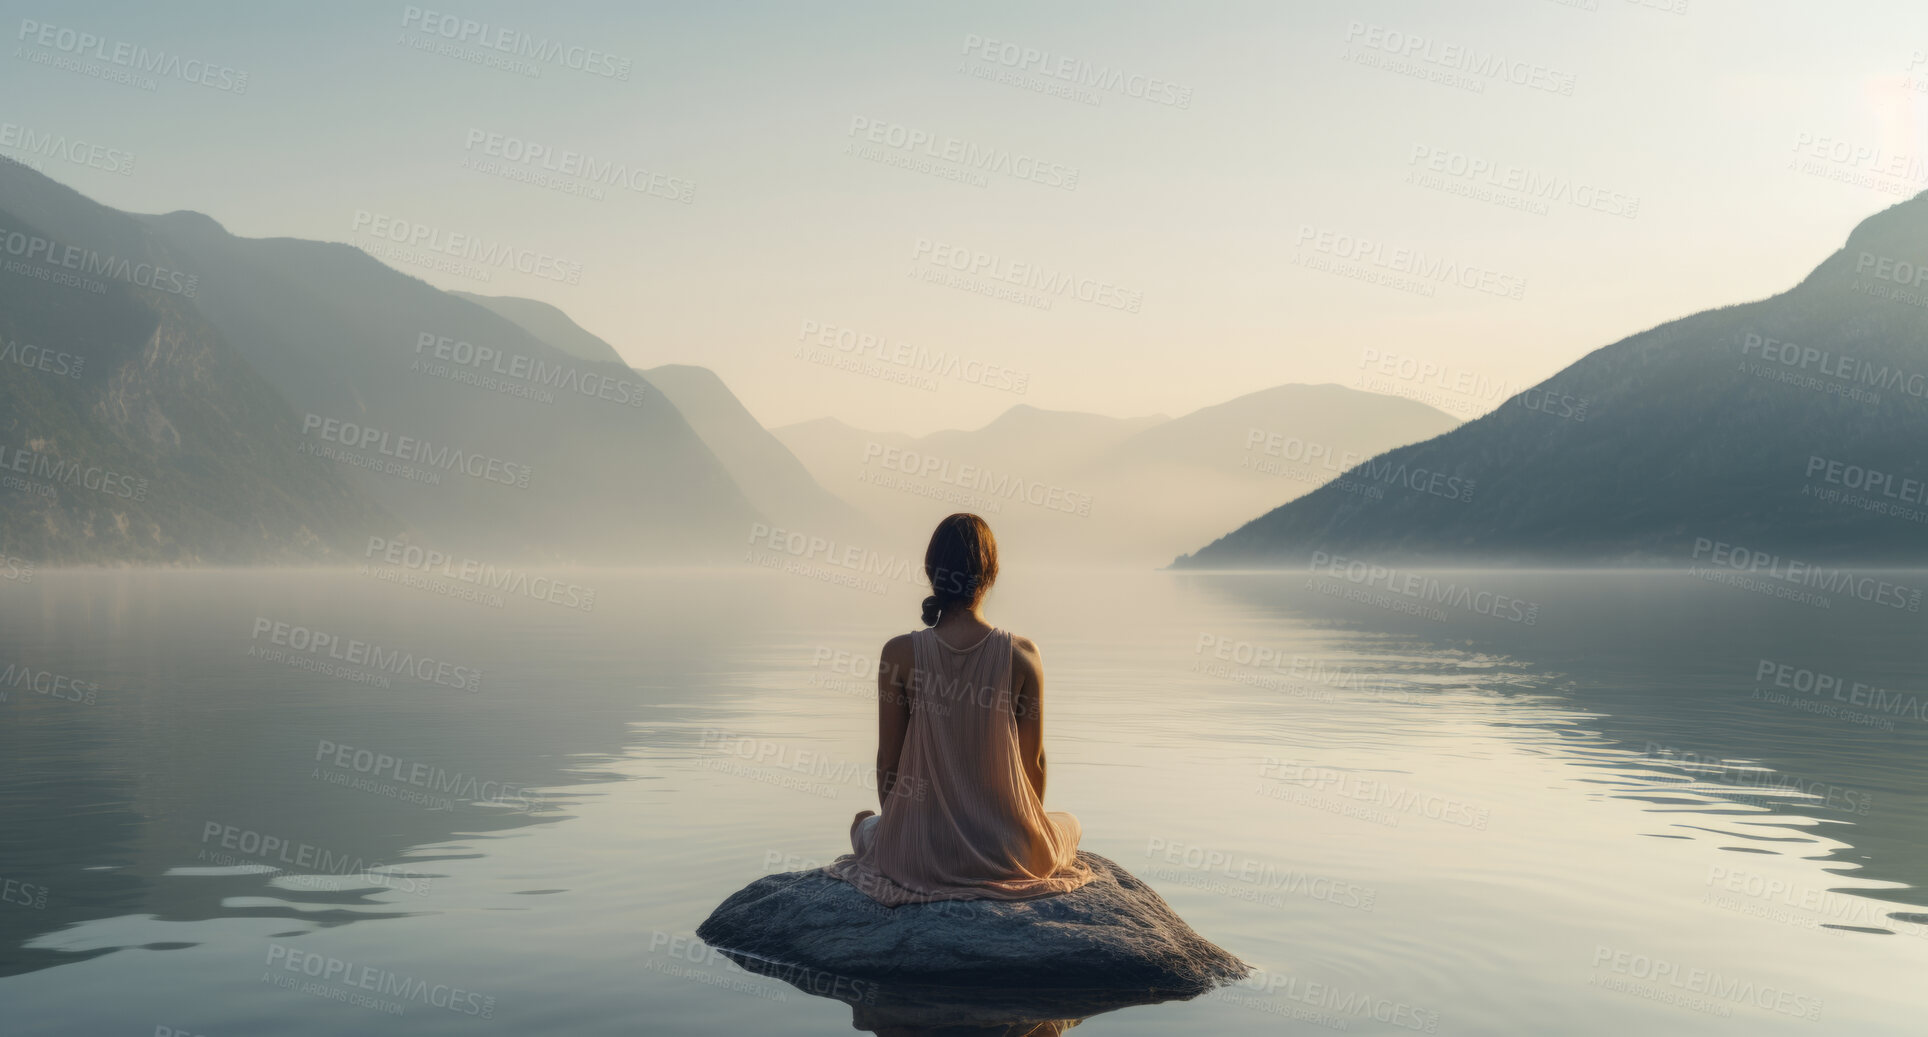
284, 401
175, 394
1085, 488
1788, 430
361, 402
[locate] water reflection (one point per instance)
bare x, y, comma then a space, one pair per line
221, 772
903, 1010
1651, 787
1686, 696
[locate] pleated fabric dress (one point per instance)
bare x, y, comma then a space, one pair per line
962, 822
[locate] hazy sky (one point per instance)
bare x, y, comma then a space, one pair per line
1693, 158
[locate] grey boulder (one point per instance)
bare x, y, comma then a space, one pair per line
1114, 934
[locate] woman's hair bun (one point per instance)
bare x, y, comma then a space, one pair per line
931, 610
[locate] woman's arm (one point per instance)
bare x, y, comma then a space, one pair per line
1027, 685
893, 711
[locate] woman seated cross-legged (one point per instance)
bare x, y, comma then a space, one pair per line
960, 752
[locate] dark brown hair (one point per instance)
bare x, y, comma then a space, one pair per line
960, 563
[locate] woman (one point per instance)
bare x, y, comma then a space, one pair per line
960, 752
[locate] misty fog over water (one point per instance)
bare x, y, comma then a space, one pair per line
1348, 794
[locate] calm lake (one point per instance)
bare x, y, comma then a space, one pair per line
324, 802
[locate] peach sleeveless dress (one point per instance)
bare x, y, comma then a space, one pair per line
962, 821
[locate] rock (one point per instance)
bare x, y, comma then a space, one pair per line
1114, 941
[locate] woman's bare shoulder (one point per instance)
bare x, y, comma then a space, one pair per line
1024, 647
897, 647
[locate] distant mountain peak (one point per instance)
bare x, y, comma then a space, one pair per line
1022, 415
687, 370
1909, 217
188, 221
